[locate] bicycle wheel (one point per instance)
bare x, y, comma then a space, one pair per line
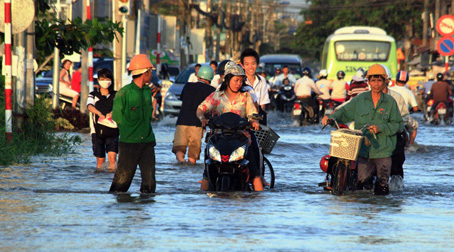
268, 172
339, 180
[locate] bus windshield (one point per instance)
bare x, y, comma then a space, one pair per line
362, 50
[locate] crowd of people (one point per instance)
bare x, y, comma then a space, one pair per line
121, 121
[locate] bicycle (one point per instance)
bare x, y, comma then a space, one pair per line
267, 138
340, 164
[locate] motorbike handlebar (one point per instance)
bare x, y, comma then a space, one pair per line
334, 122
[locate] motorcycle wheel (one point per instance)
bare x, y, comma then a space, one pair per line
339, 182
310, 115
223, 184
268, 172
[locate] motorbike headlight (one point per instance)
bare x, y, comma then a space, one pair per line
214, 154
170, 96
238, 154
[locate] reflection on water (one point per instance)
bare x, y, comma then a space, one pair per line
61, 203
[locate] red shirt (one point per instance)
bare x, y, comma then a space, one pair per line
440, 91
75, 81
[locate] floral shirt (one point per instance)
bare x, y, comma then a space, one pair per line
218, 103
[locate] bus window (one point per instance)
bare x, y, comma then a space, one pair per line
362, 50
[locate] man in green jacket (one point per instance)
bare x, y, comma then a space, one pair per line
132, 111
380, 111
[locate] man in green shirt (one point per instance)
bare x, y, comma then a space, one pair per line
380, 111
132, 111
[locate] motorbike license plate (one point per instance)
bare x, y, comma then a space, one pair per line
297, 112
441, 111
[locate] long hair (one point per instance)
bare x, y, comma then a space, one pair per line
226, 82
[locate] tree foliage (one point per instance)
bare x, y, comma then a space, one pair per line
72, 36
329, 15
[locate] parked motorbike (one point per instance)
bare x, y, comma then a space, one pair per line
225, 154
285, 98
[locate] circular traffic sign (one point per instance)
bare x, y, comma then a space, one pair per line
445, 46
445, 25
22, 14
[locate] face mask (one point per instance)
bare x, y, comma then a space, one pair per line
104, 83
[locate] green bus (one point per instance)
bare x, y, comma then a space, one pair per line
354, 47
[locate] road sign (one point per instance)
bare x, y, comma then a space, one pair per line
445, 46
445, 25
22, 14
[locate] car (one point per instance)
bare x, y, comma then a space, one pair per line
272, 61
44, 82
172, 102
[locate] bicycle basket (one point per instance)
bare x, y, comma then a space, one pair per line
266, 138
345, 143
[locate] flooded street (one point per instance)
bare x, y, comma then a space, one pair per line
61, 203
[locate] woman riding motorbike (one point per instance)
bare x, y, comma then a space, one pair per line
230, 98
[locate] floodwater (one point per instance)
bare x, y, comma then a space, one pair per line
61, 203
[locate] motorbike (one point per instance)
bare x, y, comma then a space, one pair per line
441, 113
325, 107
225, 154
303, 113
340, 164
285, 98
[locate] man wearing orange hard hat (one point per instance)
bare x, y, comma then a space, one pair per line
379, 112
132, 111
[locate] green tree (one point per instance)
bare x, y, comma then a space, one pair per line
329, 15
70, 37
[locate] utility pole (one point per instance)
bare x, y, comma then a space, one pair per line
437, 16
228, 33
237, 34
425, 22
30, 77
183, 33
56, 75
84, 64
209, 33
252, 11
19, 88
117, 45
218, 31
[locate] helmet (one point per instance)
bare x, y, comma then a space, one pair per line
377, 69
206, 73
402, 76
439, 76
221, 67
340, 75
323, 73
234, 70
430, 76
324, 163
139, 64
388, 72
306, 72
